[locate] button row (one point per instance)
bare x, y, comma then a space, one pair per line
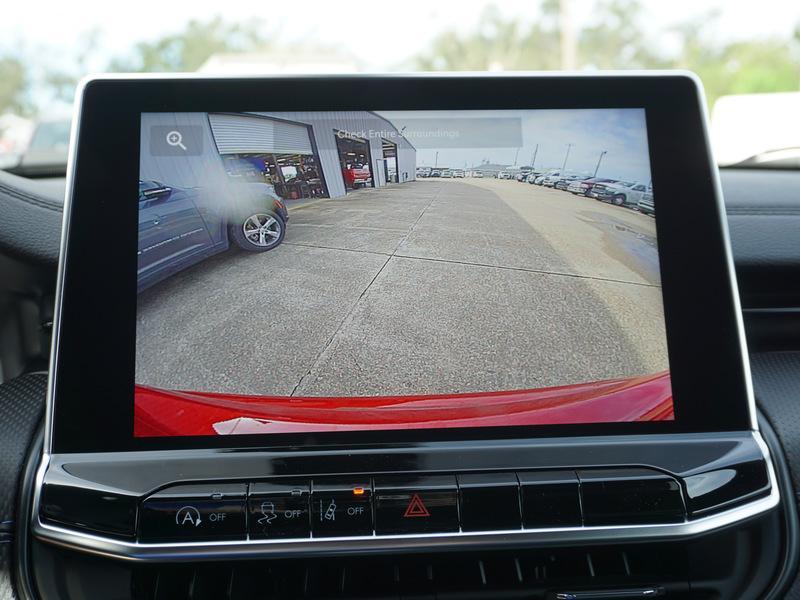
395, 505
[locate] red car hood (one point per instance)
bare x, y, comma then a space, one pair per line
176, 413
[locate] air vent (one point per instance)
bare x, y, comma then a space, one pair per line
522, 574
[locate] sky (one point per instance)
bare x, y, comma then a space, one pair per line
382, 35
621, 133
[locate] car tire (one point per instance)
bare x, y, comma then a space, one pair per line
619, 200
258, 232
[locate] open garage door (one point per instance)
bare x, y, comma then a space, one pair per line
270, 150
355, 161
389, 161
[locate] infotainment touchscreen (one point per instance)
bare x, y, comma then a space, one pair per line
383, 270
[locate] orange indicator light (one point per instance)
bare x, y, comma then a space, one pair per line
359, 491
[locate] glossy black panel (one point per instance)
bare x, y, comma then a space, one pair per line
341, 507
719, 488
550, 499
279, 510
96, 333
416, 504
630, 496
86, 508
489, 501
194, 512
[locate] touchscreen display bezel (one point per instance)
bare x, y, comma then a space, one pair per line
92, 383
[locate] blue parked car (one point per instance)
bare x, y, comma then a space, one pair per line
179, 227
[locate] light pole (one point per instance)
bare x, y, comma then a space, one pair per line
597, 168
566, 156
516, 155
535, 152
436, 160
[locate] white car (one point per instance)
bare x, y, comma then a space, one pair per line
458, 173
550, 179
504, 175
621, 193
478, 174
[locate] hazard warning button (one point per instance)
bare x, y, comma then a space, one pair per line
416, 505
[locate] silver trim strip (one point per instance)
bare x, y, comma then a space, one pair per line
161, 552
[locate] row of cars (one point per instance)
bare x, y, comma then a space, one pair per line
632, 194
440, 172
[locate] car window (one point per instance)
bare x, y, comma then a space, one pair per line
50, 136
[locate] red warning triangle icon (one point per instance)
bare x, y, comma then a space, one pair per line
416, 508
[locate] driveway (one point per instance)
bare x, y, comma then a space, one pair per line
424, 287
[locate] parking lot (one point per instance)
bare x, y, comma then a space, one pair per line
425, 287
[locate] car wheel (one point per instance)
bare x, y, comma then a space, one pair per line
259, 232
619, 200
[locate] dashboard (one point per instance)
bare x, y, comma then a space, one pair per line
571, 388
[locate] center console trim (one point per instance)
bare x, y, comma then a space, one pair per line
250, 548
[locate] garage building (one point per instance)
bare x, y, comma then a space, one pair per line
303, 154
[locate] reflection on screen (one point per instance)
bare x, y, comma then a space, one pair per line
360, 270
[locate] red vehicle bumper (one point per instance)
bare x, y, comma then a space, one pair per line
179, 413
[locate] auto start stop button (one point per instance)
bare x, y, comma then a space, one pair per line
416, 505
194, 512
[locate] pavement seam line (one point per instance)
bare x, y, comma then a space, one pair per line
348, 316
343, 322
416, 221
524, 270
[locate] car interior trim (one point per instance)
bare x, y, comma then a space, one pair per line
130, 550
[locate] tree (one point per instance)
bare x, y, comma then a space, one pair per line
740, 67
188, 49
498, 44
13, 87
616, 40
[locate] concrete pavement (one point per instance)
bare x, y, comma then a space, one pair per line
430, 286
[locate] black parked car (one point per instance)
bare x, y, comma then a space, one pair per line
179, 227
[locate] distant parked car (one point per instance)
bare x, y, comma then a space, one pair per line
478, 174
436, 173
646, 204
504, 175
458, 173
620, 193
45, 153
565, 181
423, 171
520, 177
531, 177
550, 179
447, 173
179, 227
582, 188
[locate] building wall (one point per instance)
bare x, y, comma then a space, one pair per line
205, 168
325, 124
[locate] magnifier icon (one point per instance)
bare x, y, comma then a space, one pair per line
175, 138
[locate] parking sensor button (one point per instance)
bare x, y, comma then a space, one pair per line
194, 513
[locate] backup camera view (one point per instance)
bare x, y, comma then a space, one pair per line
358, 270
